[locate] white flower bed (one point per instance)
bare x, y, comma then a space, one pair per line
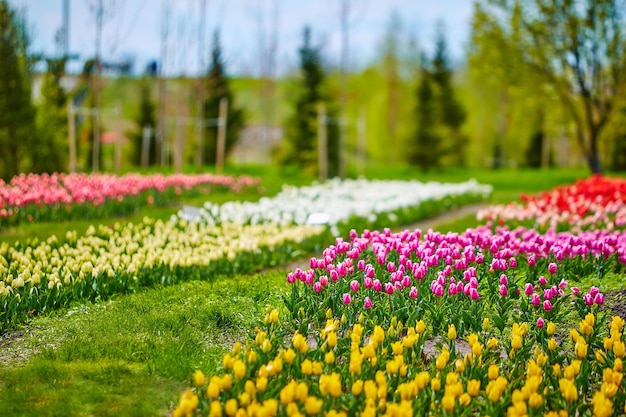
332, 202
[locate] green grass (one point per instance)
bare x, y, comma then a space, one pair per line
131, 356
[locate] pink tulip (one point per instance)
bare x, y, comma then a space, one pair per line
552, 268
391, 267
528, 288
324, 280
513, 263
406, 281
347, 299
531, 260
361, 265
367, 303
291, 278
368, 283
575, 290
504, 280
594, 290
503, 290
547, 305
599, 299
473, 293
334, 275
377, 285
536, 300
389, 288
354, 285
413, 292
317, 286
540, 322
542, 280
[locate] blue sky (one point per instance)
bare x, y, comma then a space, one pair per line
133, 28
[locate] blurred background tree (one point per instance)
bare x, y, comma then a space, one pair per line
301, 134
50, 154
17, 113
578, 52
145, 119
217, 87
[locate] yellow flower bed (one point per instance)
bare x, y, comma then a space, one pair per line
363, 369
108, 260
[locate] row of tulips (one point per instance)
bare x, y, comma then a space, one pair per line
61, 196
597, 202
486, 322
348, 204
41, 276
344, 369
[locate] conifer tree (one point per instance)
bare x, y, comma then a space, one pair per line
302, 127
425, 150
50, 154
17, 113
146, 118
451, 113
217, 87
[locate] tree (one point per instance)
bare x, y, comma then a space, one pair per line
50, 154
425, 149
146, 118
17, 113
578, 49
217, 88
451, 113
301, 128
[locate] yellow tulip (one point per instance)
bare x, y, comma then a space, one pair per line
473, 387
451, 332
493, 372
198, 378
313, 405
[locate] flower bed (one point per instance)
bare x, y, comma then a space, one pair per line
41, 276
487, 322
594, 203
70, 196
347, 204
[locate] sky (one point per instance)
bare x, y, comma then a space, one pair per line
133, 28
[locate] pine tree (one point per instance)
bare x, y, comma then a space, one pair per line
217, 87
301, 129
452, 115
17, 113
50, 154
146, 118
425, 150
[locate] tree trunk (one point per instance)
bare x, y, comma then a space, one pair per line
593, 159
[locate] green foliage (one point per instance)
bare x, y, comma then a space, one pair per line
217, 84
50, 153
301, 128
145, 118
17, 114
577, 50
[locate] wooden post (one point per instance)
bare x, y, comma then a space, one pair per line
322, 143
361, 142
71, 127
221, 134
199, 135
118, 140
178, 146
95, 155
145, 146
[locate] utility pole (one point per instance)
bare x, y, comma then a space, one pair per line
161, 143
201, 64
345, 12
96, 90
